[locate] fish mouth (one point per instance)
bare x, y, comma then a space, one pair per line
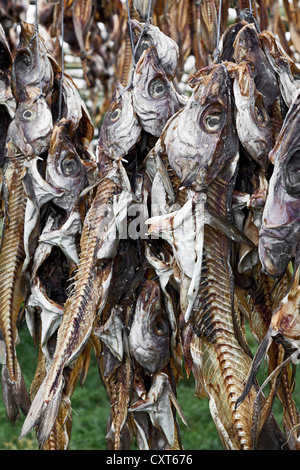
275, 255
150, 293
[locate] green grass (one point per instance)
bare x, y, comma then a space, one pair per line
91, 408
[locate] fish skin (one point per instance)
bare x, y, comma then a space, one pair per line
73, 107
248, 47
11, 260
32, 126
149, 338
160, 403
279, 234
195, 153
25, 70
166, 48
285, 68
64, 168
114, 138
256, 136
154, 97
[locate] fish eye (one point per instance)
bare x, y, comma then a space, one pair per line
23, 62
114, 115
29, 115
160, 325
292, 174
158, 88
143, 46
69, 165
213, 118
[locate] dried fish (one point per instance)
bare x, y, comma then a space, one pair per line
247, 46
31, 129
12, 255
279, 240
149, 338
166, 48
257, 135
26, 75
206, 120
170, 239
154, 97
98, 245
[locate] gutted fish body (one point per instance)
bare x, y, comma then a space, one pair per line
11, 260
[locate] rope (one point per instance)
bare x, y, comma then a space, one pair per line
217, 54
62, 61
36, 29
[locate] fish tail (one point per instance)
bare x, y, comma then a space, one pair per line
43, 411
15, 394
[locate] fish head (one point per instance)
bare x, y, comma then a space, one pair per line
32, 126
149, 338
27, 69
252, 121
202, 137
166, 48
284, 67
120, 131
154, 97
64, 168
248, 47
280, 231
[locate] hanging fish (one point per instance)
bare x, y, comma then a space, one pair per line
98, 245
12, 255
253, 124
285, 68
248, 47
64, 168
31, 129
154, 97
149, 338
199, 128
279, 234
166, 48
31, 66
158, 403
144, 8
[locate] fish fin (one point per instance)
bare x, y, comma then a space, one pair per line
226, 227
43, 413
15, 394
258, 358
